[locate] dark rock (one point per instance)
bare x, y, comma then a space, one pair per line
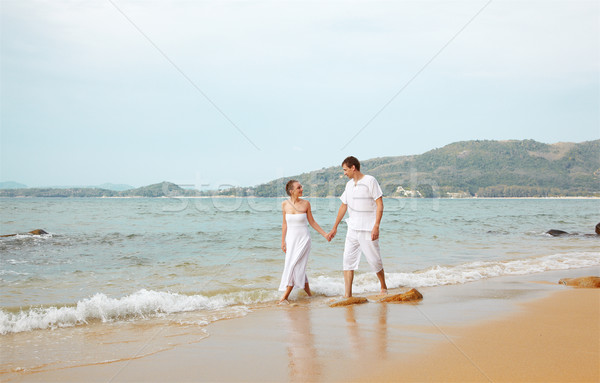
556, 233
32, 232
37, 232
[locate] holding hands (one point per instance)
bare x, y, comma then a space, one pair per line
331, 234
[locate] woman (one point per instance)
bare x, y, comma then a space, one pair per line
295, 240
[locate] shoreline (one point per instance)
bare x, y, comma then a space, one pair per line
309, 197
495, 322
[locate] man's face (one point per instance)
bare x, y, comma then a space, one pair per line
349, 171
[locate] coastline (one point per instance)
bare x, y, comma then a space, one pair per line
310, 197
517, 328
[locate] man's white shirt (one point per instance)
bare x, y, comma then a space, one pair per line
360, 198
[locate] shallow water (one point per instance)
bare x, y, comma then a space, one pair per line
110, 260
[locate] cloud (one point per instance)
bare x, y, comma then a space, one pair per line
81, 76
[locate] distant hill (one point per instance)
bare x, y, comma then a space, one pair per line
115, 187
11, 185
107, 186
463, 169
157, 190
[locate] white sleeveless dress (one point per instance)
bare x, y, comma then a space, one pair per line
297, 241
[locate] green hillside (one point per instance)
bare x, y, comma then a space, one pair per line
157, 190
469, 168
462, 169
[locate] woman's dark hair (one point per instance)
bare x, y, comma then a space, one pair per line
289, 186
351, 161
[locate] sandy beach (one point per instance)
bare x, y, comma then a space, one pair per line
509, 329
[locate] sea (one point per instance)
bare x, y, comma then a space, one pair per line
120, 278
124, 260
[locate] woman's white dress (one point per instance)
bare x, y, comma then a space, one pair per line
297, 241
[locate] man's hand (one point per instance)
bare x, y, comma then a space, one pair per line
331, 234
375, 233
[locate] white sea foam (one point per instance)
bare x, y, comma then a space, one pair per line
149, 303
15, 261
463, 273
28, 236
11, 272
141, 304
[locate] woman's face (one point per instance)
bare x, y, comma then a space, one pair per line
297, 189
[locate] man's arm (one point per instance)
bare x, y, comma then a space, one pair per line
379, 214
341, 213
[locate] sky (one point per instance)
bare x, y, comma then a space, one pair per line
217, 93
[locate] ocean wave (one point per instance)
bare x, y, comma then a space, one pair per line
15, 261
148, 303
448, 275
11, 272
27, 237
139, 305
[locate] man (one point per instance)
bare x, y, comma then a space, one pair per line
363, 200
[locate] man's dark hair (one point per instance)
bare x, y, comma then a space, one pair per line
351, 161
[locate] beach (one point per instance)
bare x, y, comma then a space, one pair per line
506, 329
169, 290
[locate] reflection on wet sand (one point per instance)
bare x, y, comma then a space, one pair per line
303, 360
377, 347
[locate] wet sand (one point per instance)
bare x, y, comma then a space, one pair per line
525, 328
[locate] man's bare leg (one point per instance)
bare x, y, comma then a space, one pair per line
348, 279
287, 293
381, 276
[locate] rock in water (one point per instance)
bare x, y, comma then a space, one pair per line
349, 301
33, 232
412, 295
37, 232
556, 233
590, 282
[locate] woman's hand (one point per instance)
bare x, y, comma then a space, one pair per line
332, 234
283, 247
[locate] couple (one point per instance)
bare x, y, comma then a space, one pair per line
363, 199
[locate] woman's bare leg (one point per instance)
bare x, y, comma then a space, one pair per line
287, 293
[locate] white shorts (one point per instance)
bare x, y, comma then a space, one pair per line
357, 241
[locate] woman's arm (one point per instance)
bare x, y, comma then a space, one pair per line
283, 230
314, 223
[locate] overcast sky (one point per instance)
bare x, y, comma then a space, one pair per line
242, 92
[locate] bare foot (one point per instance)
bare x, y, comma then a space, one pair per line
383, 292
284, 302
